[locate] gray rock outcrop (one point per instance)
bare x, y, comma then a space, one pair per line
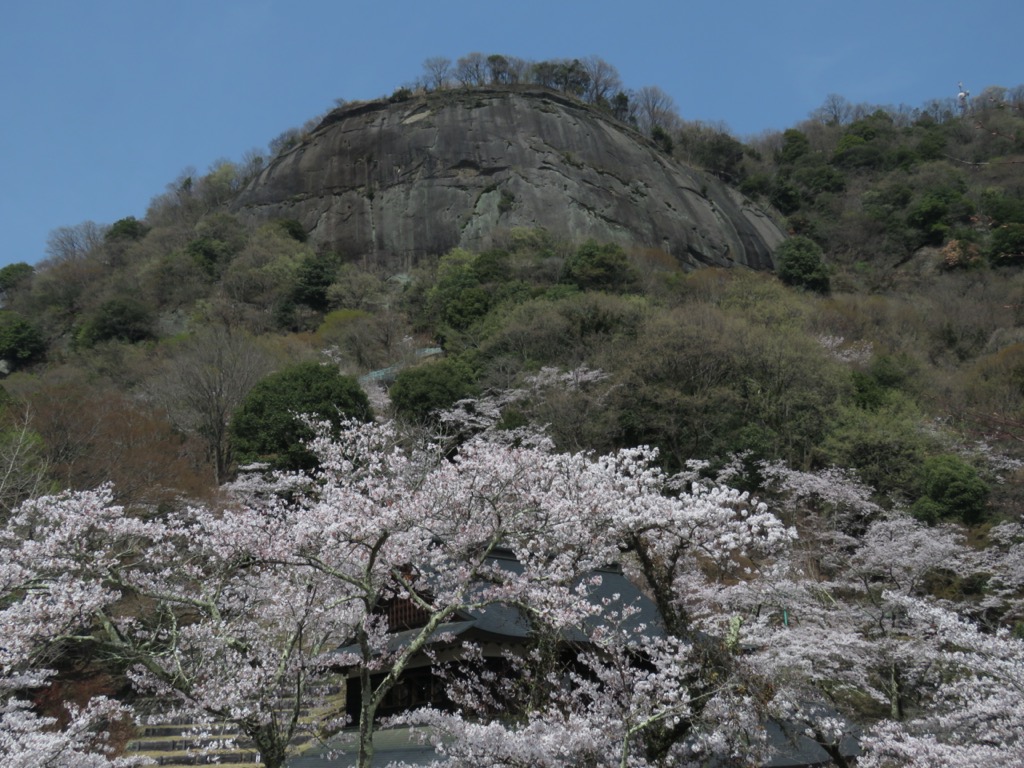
394, 182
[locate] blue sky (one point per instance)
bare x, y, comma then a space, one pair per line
105, 102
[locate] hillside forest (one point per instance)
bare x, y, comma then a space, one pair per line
864, 404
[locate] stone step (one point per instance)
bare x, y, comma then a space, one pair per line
179, 742
248, 757
156, 731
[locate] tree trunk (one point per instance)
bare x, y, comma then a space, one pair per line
273, 753
895, 693
367, 710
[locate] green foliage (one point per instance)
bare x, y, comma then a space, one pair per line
868, 143
128, 228
337, 322
268, 425
20, 341
118, 319
663, 139
597, 267
219, 237
856, 152
219, 185
867, 392
814, 179
874, 387
799, 263
263, 272
721, 155
1001, 207
491, 267
932, 143
468, 286
950, 489
432, 386
930, 217
705, 380
887, 199
884, 444
785, 195
293, 229
848, 142
1006, 247
703, 364
225, 228
315, 275
939, 207
13, 276
756, 185
209, 254
564, 328
794, 146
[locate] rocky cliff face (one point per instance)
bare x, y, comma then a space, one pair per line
399, 181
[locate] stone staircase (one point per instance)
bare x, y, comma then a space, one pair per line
178, 743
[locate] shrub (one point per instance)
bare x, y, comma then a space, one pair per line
950, 489
128, 228
292, 228
314, 276
14, 276
209, 254
884, 444
20, 341
121, 319
600, 268
799, 263
420, 391
1007, 245
1001, 207
268, 425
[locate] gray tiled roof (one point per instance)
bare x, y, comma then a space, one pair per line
500, 622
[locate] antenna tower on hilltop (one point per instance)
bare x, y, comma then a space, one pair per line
962, 98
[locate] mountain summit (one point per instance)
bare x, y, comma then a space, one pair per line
401, 179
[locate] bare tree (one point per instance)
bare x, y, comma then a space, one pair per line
73, 243
993, 97
471, 69
437, 72
604, 81
204, 383
903, 115
654, 109
253, 161
22, 461
940, 110
836, 110
518, 69
1015, 95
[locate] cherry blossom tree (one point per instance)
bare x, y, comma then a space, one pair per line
30, 741
623, 695
974, 716
229, 612
33, 616
642, 697
847, 628
817, 616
